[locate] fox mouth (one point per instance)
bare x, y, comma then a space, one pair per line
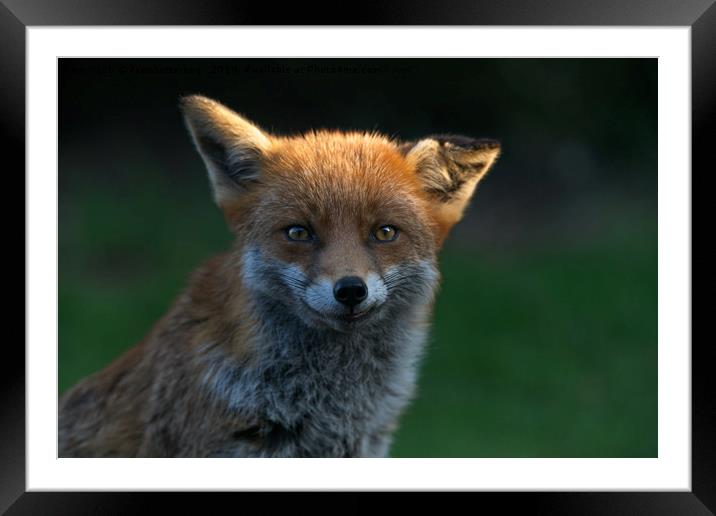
355, 316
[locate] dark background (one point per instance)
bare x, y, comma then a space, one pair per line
544, 342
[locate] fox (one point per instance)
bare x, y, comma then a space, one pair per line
305, 337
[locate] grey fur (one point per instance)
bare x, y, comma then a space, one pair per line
323, 392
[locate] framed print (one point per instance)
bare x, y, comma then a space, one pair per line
560, 363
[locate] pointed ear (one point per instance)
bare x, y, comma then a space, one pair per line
230, 145
450, 167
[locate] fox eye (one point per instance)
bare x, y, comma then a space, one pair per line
299, 234
386, 233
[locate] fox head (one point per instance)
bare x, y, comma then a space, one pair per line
340, 230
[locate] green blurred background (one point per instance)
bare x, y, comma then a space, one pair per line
544, 341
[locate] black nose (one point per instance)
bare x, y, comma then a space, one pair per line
350, 290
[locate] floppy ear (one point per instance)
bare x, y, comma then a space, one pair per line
450, 167
230, 145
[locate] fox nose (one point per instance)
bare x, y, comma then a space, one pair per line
350, 290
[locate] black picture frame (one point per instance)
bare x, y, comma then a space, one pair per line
17, 15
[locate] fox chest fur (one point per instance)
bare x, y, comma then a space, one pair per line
304, 339
315, 394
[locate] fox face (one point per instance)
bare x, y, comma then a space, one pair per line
339, 230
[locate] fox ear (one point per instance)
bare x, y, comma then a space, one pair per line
230, 145
449, 168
